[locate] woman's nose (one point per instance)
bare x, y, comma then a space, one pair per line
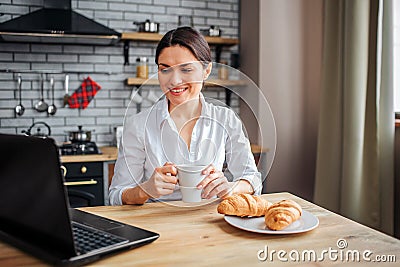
175, 78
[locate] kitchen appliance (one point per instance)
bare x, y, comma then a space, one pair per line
79, 143
85, 183
79, 148
38, 127
147, 26
214, 31
56, 22
80, 135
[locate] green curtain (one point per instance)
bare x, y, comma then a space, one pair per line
355, 169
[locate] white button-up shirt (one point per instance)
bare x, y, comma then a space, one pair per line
150, 139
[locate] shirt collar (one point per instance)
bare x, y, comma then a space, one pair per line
163, 114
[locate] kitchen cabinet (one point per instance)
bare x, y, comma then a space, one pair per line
85, 183
89, 186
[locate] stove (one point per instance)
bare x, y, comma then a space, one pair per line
79, 148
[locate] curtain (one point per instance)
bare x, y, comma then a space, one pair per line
355, 168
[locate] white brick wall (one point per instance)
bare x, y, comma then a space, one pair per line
108, 107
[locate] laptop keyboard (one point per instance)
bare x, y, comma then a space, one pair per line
88, 239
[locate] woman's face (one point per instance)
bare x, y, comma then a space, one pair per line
180, 74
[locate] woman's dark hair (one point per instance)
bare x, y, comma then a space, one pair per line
189, 38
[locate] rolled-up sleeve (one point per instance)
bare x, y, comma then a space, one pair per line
239, 158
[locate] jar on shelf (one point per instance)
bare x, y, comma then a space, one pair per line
142, 69
223, 70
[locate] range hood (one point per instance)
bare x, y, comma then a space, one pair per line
57, 23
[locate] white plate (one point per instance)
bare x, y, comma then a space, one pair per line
306, 223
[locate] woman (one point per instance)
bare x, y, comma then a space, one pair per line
182, 128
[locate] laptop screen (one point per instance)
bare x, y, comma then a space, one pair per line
34, 204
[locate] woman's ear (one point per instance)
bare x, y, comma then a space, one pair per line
207, 71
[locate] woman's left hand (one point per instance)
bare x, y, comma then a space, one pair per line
214, 184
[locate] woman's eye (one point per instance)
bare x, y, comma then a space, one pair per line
166, 70
187, 70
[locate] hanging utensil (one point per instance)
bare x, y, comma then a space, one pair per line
66, 96
41, 106
19, 109
52, 109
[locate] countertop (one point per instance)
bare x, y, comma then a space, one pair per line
109, 153
199, 236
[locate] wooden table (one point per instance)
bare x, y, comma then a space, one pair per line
199, 236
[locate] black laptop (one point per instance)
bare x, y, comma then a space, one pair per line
34, 209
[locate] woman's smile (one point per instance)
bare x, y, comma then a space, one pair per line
177, 91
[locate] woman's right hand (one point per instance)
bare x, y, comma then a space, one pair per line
162, 181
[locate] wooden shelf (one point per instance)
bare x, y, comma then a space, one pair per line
210, 82
141, 36
155, 37
221, 40
140, 81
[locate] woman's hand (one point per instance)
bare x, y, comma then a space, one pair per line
214, 184
162, 181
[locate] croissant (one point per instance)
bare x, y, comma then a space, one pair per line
243, 205
282, 214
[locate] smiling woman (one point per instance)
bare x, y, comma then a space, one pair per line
182, 128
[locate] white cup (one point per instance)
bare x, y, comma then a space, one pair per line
136, 97
190, 194
189, 176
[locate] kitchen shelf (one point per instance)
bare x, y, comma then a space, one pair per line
211, 82
218, 42
155, 37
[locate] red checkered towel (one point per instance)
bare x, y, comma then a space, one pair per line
84, 94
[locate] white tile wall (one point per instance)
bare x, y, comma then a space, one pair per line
106, 110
